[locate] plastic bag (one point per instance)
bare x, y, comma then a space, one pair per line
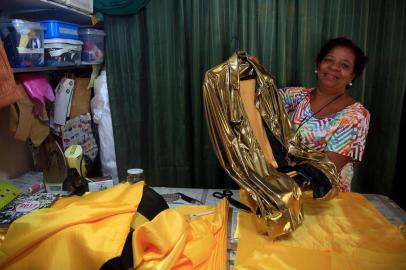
102, 117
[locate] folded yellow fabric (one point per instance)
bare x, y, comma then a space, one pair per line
76, 233
177, 240
344, 233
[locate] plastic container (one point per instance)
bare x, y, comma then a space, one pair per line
62, 52
23, 42
135, 175
60, 29
93, 45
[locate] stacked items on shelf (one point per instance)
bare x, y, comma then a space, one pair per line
62, 44
23, 42
50, 43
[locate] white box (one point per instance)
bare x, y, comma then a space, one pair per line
63, 100
84, 5
100, 185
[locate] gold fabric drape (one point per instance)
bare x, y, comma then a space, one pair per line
277, 197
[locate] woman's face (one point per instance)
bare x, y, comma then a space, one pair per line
336, 70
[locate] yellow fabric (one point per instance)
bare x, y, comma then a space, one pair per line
344, 233
175, 240
76, 233
247, 92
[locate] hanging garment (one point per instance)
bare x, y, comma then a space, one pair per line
8, 89
38, 89
255, 150
344, 233
24, 124
81, 98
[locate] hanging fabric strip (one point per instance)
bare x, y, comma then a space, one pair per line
8, 89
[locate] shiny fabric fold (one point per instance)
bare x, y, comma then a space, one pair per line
75, 233
345, 233
277, 197
175, 239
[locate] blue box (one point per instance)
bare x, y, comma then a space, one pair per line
60, 29
23, 42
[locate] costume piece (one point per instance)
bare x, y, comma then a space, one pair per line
81, 98
76, 233
345, 233
278, 202
343, 132
23, 123
8, 88
177, 240
38, 89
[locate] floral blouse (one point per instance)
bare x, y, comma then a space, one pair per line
343, 132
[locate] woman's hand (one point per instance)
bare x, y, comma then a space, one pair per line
254, 59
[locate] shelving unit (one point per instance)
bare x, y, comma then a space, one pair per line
16, 158
41, 9
49, 68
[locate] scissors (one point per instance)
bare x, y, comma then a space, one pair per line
228, 194
172, 197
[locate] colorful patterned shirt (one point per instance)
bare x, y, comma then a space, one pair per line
343, 132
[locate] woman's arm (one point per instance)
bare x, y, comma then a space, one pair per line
338, 160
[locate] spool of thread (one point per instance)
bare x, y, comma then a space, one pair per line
35, 188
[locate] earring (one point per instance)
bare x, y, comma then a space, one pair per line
315, 71
350, 84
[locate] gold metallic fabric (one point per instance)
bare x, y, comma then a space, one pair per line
278, 199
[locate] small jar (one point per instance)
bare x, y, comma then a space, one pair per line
135, 175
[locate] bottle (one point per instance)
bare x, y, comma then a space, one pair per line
135, 175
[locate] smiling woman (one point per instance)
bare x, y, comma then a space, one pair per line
326, 117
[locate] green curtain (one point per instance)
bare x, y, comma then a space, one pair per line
156, 62
119, 7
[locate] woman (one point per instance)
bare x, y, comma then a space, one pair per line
327, 118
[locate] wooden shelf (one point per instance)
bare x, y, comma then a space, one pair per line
49, 68
43, 10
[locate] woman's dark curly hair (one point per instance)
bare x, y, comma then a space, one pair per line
360, 58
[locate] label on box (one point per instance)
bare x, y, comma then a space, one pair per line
68, 31
100, 185
54, 187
